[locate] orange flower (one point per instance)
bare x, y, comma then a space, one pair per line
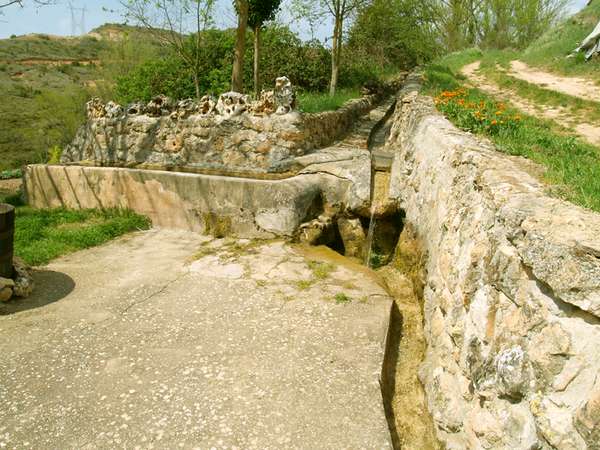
494, 122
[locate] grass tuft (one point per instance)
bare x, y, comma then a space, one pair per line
341, 298
315, 102
321, 270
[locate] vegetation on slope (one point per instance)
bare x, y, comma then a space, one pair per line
571, 166
551, 49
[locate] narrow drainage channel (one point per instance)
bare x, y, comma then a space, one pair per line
384, 243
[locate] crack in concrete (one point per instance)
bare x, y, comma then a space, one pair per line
154, 294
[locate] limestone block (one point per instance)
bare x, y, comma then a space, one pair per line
232, 104
353, 236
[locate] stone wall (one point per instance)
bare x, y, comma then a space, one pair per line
512, 295
205, 136
337, 180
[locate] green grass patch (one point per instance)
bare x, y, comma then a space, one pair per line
304, 285
10, 174
42, 235
341, 298
572, 165
321, 270
314, 102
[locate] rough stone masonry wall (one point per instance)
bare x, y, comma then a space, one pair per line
512, 296
191, 135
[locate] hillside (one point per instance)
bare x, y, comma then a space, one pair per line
45, 81
551, 49
535, 103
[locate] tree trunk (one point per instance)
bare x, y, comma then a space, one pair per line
237, 75
257, 61
197, 84
335, 55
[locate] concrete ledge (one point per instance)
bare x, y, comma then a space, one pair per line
209, 204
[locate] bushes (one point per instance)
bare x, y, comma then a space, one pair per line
167, 76
283, 53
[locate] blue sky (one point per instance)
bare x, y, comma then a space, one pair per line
57, 19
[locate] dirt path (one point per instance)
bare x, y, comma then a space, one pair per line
562, 116
168, 339
573, 86
50, 62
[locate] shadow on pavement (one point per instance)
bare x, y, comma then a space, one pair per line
50, 287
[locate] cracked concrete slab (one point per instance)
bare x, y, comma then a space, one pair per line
168, 339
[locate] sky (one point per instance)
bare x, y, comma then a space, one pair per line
57, 19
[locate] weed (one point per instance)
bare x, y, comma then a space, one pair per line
304, 285
321, 270
54, 154
341, 298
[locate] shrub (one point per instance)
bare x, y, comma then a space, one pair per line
9, 174
54, 154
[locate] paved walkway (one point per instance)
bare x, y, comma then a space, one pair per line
167, 339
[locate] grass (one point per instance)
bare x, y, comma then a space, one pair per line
551, 49
304, 285
492, 60
42, 235
321, 270
571, 165
341, 298
10, 174
315, 102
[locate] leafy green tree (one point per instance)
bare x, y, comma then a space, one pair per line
340, 11
260, 11
409, 30
21, 3
168, 22
495, 23
242, 8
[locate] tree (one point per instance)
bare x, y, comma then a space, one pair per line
260, 11
242, 8
339, 11
495, 23
21, 3
409, 30
168, 21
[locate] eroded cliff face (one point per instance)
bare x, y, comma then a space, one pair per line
512, 293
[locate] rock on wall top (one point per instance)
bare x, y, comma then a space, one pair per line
228, 134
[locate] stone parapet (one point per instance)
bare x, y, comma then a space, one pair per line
512, 295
